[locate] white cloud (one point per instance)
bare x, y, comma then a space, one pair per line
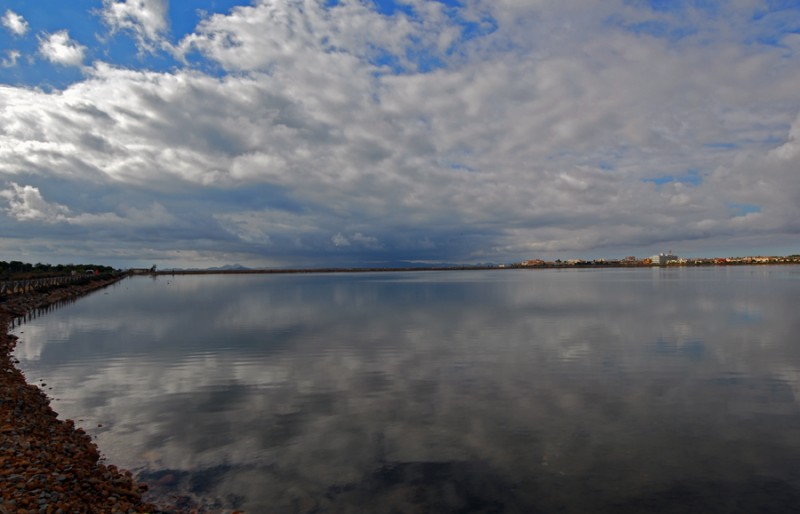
264, 226
356, 239
25, 203
11, 60
367, 241
275, 33
154, 215
557, 130
146, 19
15, 23
340, 240
58, 48
790, 149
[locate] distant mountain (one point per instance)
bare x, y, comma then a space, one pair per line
385, 265
229, 267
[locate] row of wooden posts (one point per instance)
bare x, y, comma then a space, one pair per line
11, 287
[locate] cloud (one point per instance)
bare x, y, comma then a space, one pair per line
342, 327
25, 203
154, 215
147, 20
15, 23
367, 241
490, 131
417, 37
266, 226
790, 149
356, 239
58, 48
11, 60
340, 240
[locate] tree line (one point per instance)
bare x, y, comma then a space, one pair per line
16, 270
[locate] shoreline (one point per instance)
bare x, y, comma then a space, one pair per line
546, 266
49, 465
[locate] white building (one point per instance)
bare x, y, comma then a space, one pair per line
663, 259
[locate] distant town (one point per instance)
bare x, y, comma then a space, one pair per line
16, 270
662, 259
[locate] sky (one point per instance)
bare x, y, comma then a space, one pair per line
307, 133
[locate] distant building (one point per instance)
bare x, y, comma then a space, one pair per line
533, 262
663, 259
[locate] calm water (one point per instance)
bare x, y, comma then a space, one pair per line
631, 390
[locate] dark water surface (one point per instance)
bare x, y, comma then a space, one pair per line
624, 390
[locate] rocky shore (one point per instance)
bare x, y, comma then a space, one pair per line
48, 465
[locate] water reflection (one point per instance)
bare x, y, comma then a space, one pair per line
513, 391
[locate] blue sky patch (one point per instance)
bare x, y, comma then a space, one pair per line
22, 63
743, 209
676, 6
184, 16
722, 146
661, 29
691, 177
423, 58
390, 8
384, 59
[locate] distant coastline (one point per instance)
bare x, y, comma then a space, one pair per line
597, 264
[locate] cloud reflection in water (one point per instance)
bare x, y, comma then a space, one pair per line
506, 391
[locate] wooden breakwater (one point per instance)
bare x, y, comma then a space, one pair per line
21, 286
12, 287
